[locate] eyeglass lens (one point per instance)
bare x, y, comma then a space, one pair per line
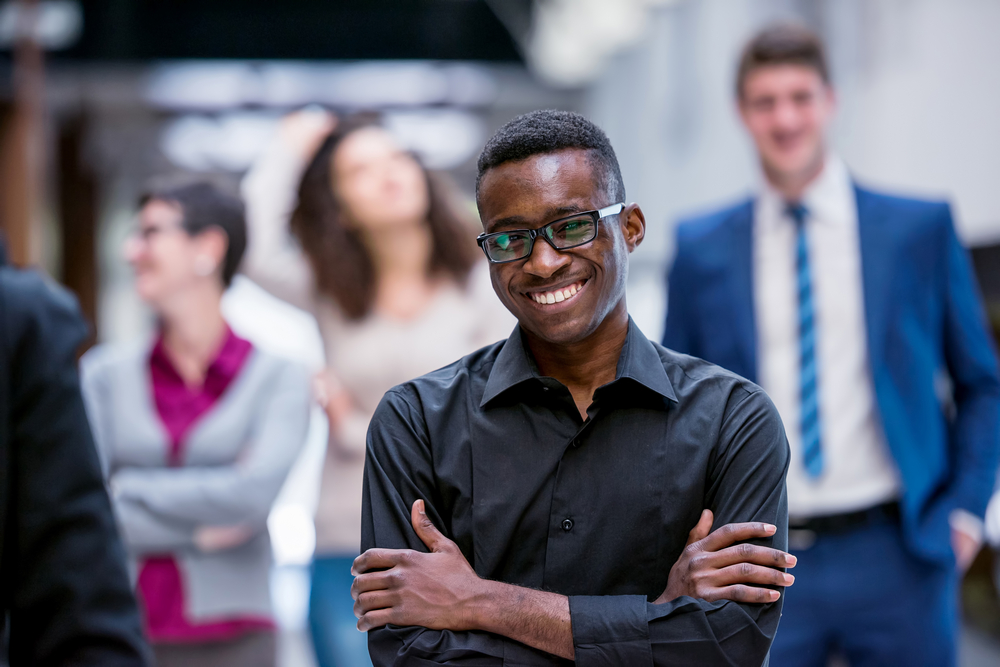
563, 234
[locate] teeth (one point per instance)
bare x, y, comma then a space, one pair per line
555, 296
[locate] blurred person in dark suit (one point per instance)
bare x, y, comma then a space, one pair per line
349, 226
858, 313
64, 589
197, 429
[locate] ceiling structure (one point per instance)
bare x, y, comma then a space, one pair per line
131, 30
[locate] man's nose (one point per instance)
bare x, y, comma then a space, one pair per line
786, 116
544, 260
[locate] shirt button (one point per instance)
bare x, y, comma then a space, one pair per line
567, 525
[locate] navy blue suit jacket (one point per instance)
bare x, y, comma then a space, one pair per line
924, 323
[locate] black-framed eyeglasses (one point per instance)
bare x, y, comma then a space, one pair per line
562, 234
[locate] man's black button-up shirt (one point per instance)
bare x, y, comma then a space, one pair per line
598, 510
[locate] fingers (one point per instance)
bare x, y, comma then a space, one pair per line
702, 528
374, 581
375, 619
321, 390
427, 531
748, 573
736, 532
373, 600
749, 553
742, 593
220, 538
378, 559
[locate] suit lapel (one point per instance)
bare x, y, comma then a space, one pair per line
876, 270
744, 327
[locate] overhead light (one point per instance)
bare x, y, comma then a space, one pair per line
57, 24
229, 142
570, 41
443, 138
215, 86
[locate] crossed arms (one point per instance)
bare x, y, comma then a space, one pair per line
439, 590
423, 604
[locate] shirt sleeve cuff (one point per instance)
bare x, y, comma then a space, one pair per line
610, 630
968, 523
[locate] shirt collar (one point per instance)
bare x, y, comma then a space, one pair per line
224, 367
829, 198
639, 362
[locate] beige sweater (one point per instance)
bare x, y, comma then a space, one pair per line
369, 356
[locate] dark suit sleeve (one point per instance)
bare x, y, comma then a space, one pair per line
680, 331
64, 578
746, 483
398, 471
972, 365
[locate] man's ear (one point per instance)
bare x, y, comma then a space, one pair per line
633, 224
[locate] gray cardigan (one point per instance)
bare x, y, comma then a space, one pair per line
236, 458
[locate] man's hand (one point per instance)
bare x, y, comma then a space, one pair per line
437, 590
966, 548
711, 568
210, 539
332, 397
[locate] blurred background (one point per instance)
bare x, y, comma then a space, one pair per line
97, 96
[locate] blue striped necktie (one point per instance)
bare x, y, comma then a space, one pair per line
812, 450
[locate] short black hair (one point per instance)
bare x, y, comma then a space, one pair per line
782, 44
204, 205
548, 131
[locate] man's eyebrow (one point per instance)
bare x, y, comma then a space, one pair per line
521, 222
510, 222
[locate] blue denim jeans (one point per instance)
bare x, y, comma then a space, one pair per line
335, 635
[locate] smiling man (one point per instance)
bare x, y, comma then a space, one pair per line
858, 312
565, 481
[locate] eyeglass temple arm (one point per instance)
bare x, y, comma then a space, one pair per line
614, 209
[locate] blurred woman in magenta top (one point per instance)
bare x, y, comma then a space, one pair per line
197, 431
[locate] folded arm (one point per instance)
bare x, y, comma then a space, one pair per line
398, 469
145, 532
440, 593
241, 493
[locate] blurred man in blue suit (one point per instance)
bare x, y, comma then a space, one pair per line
858, 313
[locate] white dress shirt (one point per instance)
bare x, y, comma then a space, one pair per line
858, 471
